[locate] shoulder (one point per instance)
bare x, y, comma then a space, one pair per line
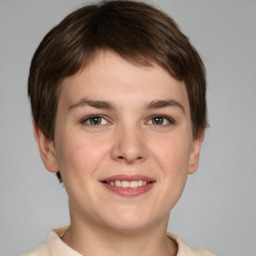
41, 250
54, 246
185, 250
45, 249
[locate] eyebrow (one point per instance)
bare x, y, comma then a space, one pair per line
93, 103
156, 104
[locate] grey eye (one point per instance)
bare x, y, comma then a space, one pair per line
95, 120
160, 120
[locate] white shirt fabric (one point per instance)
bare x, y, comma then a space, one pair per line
56, 247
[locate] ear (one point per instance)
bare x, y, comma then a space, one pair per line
46, 149
195, 152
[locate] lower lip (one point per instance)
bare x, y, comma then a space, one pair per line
129, 192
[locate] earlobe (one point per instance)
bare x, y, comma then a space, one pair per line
195, 152
46, 149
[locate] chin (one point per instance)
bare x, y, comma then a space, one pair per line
129, 227
129, 221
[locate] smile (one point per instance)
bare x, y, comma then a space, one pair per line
127, 184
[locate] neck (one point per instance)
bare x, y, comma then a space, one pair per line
90, 239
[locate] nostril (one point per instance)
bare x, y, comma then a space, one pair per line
130, 159
127, 153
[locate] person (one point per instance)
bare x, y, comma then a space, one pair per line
119, 109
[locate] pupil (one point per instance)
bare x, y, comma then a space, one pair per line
158, 120
96, 120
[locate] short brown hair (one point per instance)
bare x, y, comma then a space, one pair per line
136, 31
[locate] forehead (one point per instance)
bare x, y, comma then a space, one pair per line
109, 76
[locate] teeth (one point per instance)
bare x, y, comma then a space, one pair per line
134, 184
128, 184
118, 183
140, 183
125, 184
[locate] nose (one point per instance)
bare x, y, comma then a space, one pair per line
129, 145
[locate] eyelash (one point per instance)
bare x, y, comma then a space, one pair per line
88, 118
169, 120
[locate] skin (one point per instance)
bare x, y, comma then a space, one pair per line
128, 140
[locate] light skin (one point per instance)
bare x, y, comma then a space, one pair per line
116, 118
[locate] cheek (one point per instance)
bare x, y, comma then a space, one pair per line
172, 154
80, 155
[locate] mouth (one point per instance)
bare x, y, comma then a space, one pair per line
128, 185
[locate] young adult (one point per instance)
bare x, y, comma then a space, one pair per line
118, 101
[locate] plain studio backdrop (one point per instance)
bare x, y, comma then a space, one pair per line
218, 207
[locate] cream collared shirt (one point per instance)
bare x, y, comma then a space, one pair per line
56, 247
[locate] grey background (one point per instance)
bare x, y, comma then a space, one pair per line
218, 207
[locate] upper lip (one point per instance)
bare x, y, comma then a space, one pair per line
123, 177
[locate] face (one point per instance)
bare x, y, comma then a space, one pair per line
123, 143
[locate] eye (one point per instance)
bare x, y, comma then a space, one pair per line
94, 121
160, 120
